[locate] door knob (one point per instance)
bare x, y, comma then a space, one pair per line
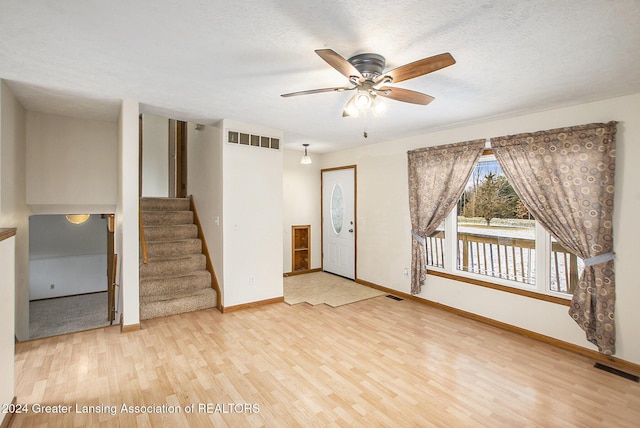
351, 230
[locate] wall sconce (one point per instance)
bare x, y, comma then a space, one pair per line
306, 159
77, 218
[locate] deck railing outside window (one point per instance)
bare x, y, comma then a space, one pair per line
506, 258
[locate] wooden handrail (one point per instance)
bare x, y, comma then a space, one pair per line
111, 297
205, 250
7, 233
143, 241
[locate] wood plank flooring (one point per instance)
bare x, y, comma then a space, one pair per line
378, 362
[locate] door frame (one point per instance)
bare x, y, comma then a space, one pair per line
177, 159
355, 216
112, 266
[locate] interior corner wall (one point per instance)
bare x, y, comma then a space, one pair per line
301, 196
14, 212
384, 225
252, 217
204, 183
7, 312
155, 156
127, 221
71, 162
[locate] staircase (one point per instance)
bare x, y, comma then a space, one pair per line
175, 279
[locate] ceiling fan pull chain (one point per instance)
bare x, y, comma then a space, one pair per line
364, 118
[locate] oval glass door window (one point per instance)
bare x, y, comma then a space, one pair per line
337, 209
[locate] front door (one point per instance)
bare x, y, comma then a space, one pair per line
338, 221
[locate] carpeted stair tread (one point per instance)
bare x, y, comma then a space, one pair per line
163, 249
201, 299
175, 258
170, 233
165, 204
174, 284
177, 295
166, 218
173, 265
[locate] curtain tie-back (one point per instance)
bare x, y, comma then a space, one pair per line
418, 238
602, 258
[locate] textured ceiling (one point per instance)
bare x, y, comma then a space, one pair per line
204, 60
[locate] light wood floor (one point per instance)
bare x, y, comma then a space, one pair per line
378, 362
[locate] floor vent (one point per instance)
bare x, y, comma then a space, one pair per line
617, 372
394, 297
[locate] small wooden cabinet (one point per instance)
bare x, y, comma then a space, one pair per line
300, 248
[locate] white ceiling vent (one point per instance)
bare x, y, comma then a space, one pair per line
236, 137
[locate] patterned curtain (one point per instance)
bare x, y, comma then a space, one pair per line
437, 177
565, 178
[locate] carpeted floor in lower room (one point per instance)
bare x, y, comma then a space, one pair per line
67, 314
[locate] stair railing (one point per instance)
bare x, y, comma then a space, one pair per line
143, 241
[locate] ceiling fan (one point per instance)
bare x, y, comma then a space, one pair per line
366, 76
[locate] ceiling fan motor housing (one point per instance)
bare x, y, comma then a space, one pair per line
370, 65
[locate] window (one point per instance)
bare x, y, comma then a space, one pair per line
496, 233
498, 240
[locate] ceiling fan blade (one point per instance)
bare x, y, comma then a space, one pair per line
405, 95
339, 63
317, 91
419, 68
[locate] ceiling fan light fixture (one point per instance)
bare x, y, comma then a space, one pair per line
351, 109
379, 106
306, 159
363, 100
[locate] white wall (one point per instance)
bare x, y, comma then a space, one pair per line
70, 275
301, 190
7, 342
53, 236
253, 218
384, 226
13, 200
127, 233
204, 182
72, 257
71, 164
155, 156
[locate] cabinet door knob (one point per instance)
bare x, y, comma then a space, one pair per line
351, 230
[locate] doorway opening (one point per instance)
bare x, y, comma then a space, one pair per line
163, 157
70, 274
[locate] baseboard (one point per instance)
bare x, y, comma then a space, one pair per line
226, 309
6, 422
64, 334
129, 327
69, 295
302, 272
610, 360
